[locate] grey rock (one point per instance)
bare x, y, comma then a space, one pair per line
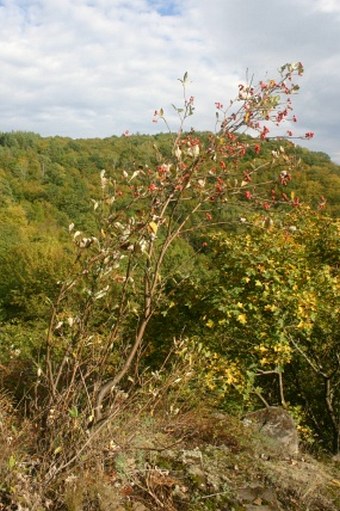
259, 498
276, 423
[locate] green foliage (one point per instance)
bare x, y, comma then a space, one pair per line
32, 262
272, 307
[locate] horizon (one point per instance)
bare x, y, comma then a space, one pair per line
89, 69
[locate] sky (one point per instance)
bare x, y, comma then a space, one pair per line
97, 68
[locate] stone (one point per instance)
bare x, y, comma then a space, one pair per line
258, 498
276, 423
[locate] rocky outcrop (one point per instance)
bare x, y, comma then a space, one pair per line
275, 423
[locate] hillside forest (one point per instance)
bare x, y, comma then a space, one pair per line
162, 272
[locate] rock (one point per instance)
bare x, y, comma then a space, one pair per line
276, 423
258, 498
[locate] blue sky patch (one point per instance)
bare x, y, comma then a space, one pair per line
165, 7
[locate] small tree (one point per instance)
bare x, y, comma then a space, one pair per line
98, 326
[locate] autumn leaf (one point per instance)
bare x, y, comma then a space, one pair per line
242, 318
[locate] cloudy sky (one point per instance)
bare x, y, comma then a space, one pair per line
94, 68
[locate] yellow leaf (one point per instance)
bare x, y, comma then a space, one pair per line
270, 307
242, 318
154, 227
247, 117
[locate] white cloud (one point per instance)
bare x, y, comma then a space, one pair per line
329, 6
97, 67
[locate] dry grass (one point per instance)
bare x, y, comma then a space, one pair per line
154, 456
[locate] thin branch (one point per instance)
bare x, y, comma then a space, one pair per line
316, 369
